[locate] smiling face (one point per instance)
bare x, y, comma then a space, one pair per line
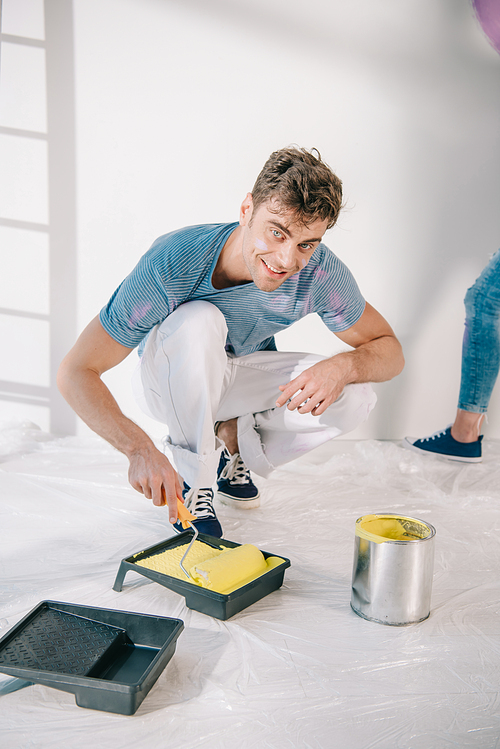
275, 245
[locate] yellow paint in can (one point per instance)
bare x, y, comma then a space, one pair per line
383, 528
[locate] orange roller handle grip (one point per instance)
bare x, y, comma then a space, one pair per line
184, 515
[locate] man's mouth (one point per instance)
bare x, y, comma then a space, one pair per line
274, 270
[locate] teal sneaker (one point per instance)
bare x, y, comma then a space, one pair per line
444, 445
200, 502
234, 482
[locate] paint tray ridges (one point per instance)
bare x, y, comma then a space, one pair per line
59, 642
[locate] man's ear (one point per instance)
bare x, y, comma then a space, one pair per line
246, 209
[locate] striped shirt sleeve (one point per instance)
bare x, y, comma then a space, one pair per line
340, 303
137, 305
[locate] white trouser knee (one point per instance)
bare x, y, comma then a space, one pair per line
270, 436
277, 436
182, 371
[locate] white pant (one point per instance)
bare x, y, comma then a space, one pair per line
188, 381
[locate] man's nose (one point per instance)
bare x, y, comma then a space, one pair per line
286, 256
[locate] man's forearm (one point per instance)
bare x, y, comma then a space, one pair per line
89, 397
319, 386
79, 380
376, 361
150, 472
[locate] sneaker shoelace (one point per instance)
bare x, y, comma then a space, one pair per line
435, 436
199, 502
235, 471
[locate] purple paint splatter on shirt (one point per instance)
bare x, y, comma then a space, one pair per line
139, 313
320, 274
280, 302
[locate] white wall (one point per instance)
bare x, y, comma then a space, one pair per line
179, 103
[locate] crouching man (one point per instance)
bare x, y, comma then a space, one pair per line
203, 305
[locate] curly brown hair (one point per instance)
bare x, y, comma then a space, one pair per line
297, 180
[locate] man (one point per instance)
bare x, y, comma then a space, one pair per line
204, 304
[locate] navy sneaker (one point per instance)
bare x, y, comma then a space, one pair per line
234, 483
444, 445
200, 502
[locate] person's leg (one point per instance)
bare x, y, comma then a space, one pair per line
181, 377
268, 436
234, 481
480, 352
467, 426
182, 371
479, 371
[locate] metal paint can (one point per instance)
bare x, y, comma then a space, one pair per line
393, 568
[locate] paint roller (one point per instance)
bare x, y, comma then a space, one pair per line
227, 571
230, 570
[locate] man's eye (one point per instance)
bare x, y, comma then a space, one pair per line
305, 246
275, 233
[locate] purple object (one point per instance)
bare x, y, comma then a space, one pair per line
488, 15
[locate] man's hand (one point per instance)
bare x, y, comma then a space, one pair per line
377, 357
316, 388
79, 380
152, 474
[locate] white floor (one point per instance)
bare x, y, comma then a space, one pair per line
297, 669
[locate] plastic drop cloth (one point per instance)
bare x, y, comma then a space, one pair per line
298, 668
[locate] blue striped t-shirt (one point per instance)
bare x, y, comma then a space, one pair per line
178, 268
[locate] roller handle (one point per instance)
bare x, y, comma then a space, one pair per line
184, 515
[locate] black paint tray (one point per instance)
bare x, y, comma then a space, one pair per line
218, 605
108, 659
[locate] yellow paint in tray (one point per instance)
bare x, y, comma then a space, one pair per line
221, 570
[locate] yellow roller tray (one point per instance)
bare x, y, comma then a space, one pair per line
224, 577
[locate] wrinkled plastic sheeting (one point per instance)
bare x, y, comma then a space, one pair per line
296, 669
